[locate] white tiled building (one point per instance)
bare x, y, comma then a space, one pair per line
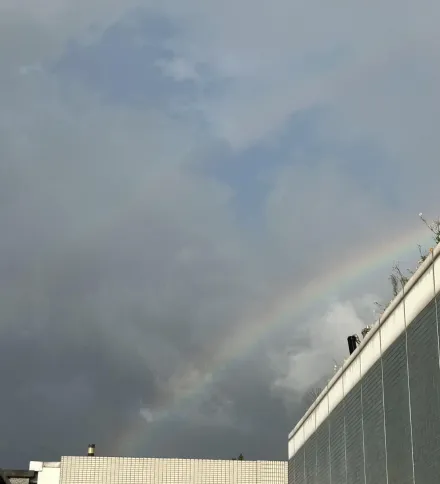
125, 470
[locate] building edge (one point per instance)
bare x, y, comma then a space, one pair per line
309, 422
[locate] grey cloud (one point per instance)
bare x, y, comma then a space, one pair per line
124, 270
119, 266
252, 423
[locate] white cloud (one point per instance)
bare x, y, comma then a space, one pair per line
325, 345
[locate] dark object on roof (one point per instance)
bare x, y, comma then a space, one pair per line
352, 343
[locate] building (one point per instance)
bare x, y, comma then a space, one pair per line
378, 419
125, 470
39, 472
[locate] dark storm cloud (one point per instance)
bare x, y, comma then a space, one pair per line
124, 266
118, 268
238, 413
66, 382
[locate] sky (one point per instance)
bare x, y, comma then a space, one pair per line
171, 173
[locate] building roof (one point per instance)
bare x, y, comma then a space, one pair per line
416, 294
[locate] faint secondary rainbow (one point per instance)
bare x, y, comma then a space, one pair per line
290, 304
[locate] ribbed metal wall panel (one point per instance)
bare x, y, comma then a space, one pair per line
397, 413
290, 471
322, 454
337, 445
298, 467
310, 460
374, 432
354, 437
425, 394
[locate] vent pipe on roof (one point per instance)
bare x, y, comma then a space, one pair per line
352, 343
91, 450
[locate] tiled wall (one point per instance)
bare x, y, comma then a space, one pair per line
118, 470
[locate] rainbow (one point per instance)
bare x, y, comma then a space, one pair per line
291, 304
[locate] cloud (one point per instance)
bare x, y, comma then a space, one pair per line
325, 347
179, 69
119, 266
168, 171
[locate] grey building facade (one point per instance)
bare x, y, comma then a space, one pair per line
378, 419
